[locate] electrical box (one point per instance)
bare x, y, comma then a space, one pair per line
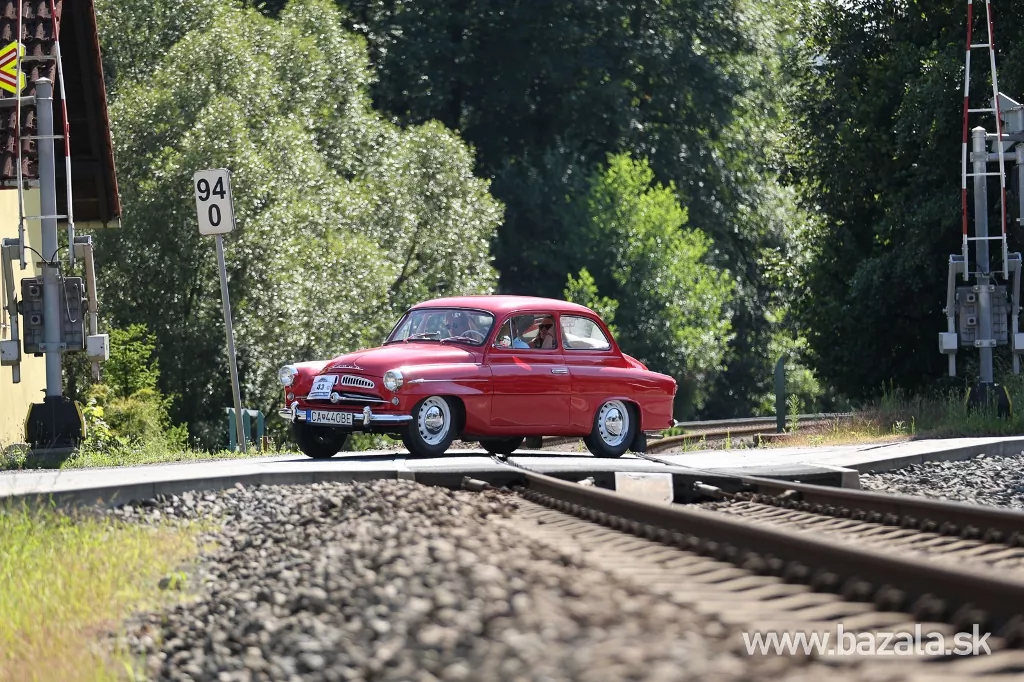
967, 315
72, 314
10, 354
97, 347
947, 342
1018, 343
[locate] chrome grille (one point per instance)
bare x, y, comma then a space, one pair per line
352, 380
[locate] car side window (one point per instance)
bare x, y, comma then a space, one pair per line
581, 333
529, 331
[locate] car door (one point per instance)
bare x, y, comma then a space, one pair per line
592, 364
531, 386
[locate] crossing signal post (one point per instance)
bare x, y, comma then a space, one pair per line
982, 311
52, 306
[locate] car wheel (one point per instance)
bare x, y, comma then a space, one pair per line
319, 442
432, 428
501, 446
613, 430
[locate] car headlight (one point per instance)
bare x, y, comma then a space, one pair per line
286, 375
392, 380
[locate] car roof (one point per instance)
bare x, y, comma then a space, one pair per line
500, 304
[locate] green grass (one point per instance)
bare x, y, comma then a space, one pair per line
161, 453
148, 453
66, 583
899, 417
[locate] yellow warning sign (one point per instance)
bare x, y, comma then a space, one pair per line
10, 79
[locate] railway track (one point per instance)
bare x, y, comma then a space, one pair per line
792, 557
713, 431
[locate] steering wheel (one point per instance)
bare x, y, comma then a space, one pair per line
473, 334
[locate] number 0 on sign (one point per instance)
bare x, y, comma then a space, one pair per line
214, 206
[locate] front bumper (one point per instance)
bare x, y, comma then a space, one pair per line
366, 417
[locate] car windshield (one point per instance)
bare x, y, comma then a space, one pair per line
444, 325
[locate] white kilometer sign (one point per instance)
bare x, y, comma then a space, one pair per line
214, 205
216, 213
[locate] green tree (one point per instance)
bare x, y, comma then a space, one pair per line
672, 304
765, 245
544, 90
343, 218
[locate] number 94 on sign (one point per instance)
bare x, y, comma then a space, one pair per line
214, 206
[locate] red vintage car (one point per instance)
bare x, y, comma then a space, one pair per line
493, 369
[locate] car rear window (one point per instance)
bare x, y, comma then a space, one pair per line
581, 333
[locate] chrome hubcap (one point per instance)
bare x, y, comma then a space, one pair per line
434, 420
613, 423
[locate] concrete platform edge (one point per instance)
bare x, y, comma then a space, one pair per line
112, 495
1003, 448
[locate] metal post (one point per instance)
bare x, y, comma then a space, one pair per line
780, 395
48, 204
979, 158
951, 308
9, 250
231, 340
1015, 310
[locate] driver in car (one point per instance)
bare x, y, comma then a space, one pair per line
458, 324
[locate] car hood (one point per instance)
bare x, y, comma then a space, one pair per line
376, 361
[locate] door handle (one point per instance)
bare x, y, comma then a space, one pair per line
559, 370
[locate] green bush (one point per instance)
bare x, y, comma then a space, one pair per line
126, 410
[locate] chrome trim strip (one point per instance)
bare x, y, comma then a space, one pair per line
355, 398
445, 381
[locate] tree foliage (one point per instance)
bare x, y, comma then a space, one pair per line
343, 218
672, 303
763, 245
546, 90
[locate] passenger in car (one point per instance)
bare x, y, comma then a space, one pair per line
545, 332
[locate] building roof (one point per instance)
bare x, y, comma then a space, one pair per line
501, 304
94, 183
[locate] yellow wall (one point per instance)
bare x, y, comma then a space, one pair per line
16, 398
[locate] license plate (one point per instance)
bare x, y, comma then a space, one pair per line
322, 386
328, 417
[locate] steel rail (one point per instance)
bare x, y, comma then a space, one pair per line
722, 428
976, 522
931, 591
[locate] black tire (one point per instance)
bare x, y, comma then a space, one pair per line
407, 442
502, 446
319, 442
434, 425
609, 436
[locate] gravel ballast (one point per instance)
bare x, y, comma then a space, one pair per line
996, 481
393, 580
